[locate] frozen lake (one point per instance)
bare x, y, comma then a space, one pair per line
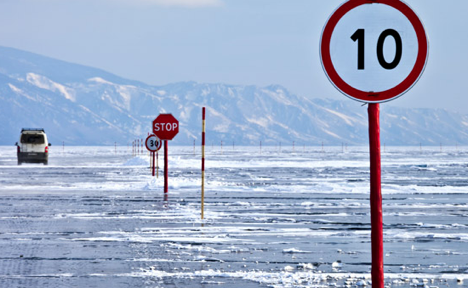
94, 217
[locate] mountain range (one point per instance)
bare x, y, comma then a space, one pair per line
79, 105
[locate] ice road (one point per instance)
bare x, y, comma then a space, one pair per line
94, 217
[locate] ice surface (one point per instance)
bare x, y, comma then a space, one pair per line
94, 217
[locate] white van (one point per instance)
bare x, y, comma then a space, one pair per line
33, 146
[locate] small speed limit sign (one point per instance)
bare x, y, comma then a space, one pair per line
373, 51
153, 143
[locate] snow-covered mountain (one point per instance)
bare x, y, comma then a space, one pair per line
86, 106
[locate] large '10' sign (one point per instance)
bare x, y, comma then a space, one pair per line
373, 51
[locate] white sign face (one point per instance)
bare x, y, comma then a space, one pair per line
153, 143
374, 52
367, 23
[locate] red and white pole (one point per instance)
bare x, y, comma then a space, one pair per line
203, 165
376, 196
166, 167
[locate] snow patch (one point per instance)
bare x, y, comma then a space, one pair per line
347, 119
153, 184
14, 88
100, 80
295, 251
263, 122
45, 83
137, 161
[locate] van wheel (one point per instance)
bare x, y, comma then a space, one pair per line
46, 162
19, 162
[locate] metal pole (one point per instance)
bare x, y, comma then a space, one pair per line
376, 197
203, 165
166, 167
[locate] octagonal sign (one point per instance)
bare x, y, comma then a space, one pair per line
165, 126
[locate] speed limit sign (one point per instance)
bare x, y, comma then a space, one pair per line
373, 51
153, 143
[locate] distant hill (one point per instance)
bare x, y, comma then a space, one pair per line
86, 106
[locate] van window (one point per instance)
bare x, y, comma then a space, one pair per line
32, 139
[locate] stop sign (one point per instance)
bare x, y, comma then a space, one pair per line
165, 126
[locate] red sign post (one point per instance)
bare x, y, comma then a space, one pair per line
165, 127
373, 52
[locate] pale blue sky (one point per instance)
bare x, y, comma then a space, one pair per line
258, 42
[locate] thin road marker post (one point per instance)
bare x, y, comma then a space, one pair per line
376, 194
166, 167
203, 165
153, 162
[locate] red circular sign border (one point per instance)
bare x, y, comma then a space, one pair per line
146, 143
382, 96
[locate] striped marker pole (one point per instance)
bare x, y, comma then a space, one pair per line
203, 165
